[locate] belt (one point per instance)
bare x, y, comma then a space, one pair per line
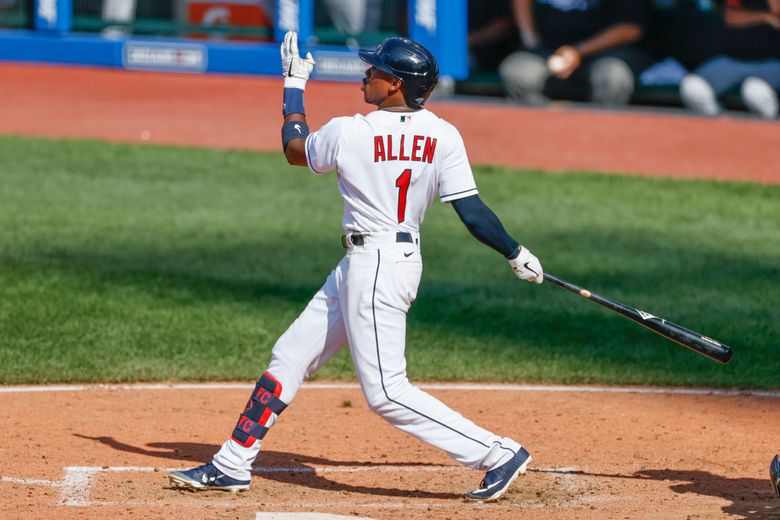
356, 239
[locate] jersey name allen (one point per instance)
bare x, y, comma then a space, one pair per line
421, 150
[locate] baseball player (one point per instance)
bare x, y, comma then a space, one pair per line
390, 166
774, 475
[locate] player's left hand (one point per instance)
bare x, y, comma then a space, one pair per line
295, 69
527, 267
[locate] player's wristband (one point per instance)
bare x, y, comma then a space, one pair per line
293, 130
293, 102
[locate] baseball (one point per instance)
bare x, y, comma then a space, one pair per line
585, 293
556, 63
145, 135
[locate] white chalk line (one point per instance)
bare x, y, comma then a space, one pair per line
76, 484
306, 516
457, 505
34, 481
396, 505
428, 386
358, 469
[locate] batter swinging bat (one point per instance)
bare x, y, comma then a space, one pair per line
687, 338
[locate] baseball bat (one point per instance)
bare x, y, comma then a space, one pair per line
705, 346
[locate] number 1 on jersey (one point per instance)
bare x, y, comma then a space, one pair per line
402, 183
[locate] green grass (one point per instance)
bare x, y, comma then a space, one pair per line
138, 263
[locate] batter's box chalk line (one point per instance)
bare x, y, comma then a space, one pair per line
76, 484
306, 516
355, 469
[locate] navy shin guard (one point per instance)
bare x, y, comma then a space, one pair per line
253, 423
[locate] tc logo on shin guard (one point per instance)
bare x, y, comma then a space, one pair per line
263, 396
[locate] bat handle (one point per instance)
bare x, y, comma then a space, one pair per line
567, 285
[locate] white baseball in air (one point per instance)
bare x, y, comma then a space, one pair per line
556, 63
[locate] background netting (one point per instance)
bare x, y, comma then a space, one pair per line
15, 14
362, 22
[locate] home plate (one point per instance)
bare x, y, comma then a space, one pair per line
306, 516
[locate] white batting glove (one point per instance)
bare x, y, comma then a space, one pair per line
527, 267
295, 69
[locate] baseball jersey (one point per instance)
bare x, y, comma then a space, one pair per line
391, 165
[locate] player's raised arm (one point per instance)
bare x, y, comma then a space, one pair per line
485, 226
296, 72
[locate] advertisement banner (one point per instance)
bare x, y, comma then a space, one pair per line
443, 28
338, 65
53, 15
171, 57
232, 13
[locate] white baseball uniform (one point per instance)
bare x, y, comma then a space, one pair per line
390, 166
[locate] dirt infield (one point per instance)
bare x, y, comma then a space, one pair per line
103, 452
245, 112
599, 453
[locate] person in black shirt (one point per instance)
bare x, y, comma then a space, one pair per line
581, 49
492, 34
749, 59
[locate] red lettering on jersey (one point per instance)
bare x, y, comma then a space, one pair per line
401, 151
416, 147
390, 156
430, 148
383, 149
379, 148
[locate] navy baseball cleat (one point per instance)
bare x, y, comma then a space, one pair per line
774, 475
205, 477
497, 481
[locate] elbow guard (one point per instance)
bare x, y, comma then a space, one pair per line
293, 130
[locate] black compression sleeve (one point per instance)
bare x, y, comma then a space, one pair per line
484, 225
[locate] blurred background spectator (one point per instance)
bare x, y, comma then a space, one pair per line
747, 62
492, 34
706, 55
353, 17
577, 49
120, 14
358, 23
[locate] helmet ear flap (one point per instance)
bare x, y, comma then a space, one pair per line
420, 101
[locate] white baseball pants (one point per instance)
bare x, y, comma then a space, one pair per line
364, 303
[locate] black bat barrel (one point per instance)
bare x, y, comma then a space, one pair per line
705, 346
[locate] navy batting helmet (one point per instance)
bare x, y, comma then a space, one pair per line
408, 61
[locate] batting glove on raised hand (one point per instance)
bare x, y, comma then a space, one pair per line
295, 69
527, 267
